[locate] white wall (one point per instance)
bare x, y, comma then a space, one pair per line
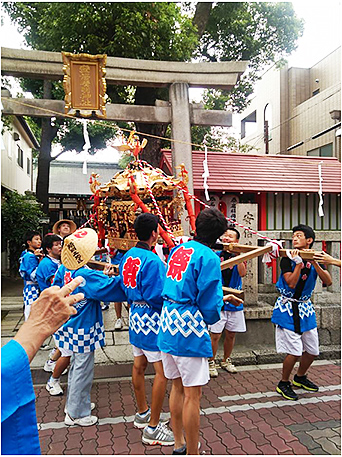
14, 177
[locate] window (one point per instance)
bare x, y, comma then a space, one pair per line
315, 92
28, 166
248, 125
323, 151
20, 157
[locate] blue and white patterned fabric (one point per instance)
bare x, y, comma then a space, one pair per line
192, 300
235, 282
84, 331
46, 271
142, 278
283, 310
28, 269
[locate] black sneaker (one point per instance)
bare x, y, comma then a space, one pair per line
284, 388
305, 383
180, 451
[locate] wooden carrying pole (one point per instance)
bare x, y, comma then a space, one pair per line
237, 293
241, 248
96, 265
255, 251
100, 266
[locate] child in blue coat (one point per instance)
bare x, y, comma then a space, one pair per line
294, 314
193, 300
83, 333
142, 277
232, 317
29, 262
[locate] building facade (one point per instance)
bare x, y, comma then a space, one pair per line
17, 144
16, 156
297, 110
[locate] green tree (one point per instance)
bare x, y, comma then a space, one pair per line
19, 214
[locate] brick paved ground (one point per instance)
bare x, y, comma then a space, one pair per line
242, 414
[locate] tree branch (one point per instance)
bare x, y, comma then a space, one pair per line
201, 16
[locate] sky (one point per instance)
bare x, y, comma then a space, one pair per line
322, 35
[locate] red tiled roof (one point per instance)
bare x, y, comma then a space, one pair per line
263, 173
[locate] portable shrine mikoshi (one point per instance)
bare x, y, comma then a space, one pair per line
138, 188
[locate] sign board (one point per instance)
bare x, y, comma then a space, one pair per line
84, 84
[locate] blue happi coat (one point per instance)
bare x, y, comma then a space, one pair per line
235, 282
46, 272
19, 431
142, 278
283, 308
28, 269
192, 300
84, 331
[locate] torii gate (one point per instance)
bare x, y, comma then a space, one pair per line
178, 76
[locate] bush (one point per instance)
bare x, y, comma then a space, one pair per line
19, 214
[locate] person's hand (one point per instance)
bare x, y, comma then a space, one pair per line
109, 270
323, 257
39, 253
233, 300
53, 307
294, 255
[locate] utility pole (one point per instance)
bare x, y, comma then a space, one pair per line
266, 139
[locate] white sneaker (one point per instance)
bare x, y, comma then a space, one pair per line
82, 421
160, 435
49, 366
212, 369
53, 387
92, 406
228, 366
118, 324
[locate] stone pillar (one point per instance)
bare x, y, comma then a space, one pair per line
181, 152
247, 214
335, 272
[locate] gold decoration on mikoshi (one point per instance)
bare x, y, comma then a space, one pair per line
84, 84
127, 194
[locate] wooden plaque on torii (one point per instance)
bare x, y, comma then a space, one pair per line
84, 84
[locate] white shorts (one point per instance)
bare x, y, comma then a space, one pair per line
64, 352
234, 321
151, 356
289, 342
194, 371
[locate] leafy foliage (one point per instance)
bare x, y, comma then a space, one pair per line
260, 32
19, 214
125, 160
71, 137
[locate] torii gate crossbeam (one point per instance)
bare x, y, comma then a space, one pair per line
178, 76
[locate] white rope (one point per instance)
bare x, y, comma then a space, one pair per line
320, 192
86, 145
205, 175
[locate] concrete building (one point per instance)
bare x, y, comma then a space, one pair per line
17, 143
16, 156
297, 109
